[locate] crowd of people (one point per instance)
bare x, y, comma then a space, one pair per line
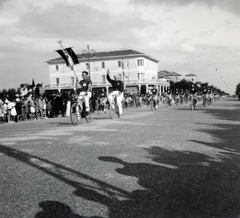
27, 106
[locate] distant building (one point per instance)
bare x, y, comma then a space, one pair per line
191, 77
137, 70
170, 76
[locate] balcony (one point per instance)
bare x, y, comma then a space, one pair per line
106, 83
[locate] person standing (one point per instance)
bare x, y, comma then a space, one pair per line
18, 109
25, 108
118, 89
102, 99
31, 104
37, 108
1, 112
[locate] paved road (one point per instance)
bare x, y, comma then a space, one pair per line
172, 162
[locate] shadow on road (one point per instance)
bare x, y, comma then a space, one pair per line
62, 173
54, 209
197, 186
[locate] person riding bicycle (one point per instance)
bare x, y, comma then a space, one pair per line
169, 95
176, 96
210, 95
181, 96
204, 95
193, 93
155, 95
118, 89
85, 94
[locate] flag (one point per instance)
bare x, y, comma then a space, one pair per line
68, 56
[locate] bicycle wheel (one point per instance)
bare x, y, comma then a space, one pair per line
75, 114
89, 117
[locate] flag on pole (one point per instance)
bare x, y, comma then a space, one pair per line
68, 56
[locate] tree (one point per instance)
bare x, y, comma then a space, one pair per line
183, 84
238, 90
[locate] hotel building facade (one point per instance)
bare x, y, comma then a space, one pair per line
137, 70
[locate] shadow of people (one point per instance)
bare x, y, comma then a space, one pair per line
195, 188
54, 209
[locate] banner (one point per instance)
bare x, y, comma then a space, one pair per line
68, 56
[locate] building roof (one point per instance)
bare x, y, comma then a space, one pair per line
166, 74
108, 55
191, 74
175, 74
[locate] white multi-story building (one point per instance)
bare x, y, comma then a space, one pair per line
137, 70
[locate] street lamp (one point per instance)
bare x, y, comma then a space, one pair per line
89, 54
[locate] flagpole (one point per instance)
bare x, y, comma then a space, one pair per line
60, 42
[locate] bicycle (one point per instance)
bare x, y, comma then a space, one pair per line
176, 101
114, 109
77, 113
168, 102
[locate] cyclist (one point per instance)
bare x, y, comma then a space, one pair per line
176, 96
155, 96
186, 96
210, 95
193, 93
148, 98
169, 95
204, 95
85, 94
118, 89
181, 96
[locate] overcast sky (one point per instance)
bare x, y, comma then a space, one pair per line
187, 36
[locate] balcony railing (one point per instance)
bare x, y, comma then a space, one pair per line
126, 82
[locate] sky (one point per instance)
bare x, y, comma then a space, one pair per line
187, 36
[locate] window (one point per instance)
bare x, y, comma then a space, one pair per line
87, 66
103, 78
57, 81
56, 67
72, 80
119, 63
103, 65
140, 62
120, 76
